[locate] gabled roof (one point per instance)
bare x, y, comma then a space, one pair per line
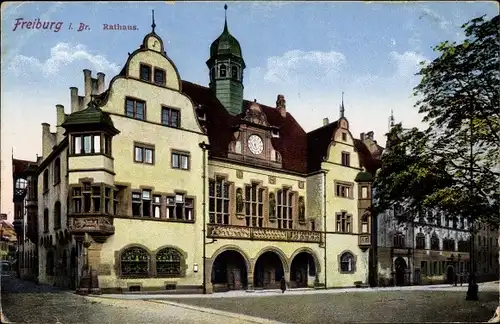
291, 144
318, 141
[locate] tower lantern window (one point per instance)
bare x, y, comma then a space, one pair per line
222, 71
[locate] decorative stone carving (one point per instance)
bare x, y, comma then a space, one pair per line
239, 200
97, 225
272, 179
262, 234
85, 223
255, 115
302, 210
301, 184
272, 207
239, 174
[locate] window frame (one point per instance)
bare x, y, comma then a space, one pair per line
45, 180
434, 242
345, 159
180, 155
164, 75
222, 68
343, 222
57, 171
46, 220
180, 264
143, 147
147, 274
57, 215
84, 193
420, 241
148, 68
339, 185
223, 216
168, 122
104, 144
134, 114
253, 204
172, 204
399, 240
351, 264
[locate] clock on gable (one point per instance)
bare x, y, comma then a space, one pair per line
255, 144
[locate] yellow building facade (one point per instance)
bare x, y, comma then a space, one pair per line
169, 185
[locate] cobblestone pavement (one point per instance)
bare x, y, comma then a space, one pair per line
396, 306
26, 302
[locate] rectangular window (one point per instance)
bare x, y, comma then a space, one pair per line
180, 208
346, 159
86, 144
218, 204
344, 137
136, 204
117, 194
96, 199
160, 76
143, 154
170, 117
344, 222
180, 161
157, 206
254, 205
343, 190
107, 200
107, 144
77, 200
135, 108
146, 203
364, 192
87, 200
145, 72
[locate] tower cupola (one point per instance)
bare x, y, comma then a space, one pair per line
226, 66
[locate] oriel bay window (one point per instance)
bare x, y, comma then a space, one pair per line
254, 205
94, 143
218, 206
284, 208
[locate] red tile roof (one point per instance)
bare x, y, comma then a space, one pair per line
20, 166
300, 151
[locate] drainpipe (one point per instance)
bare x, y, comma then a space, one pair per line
324, 224
204, 147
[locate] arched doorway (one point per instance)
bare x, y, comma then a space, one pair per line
400, 265
450, 274
302, 270
229, 272
268, 271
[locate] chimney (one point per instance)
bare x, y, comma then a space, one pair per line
47, 140
369, 135
362, 136
95, 90
60, 119
325, 121
81, 100
281, 105
100, 82
75, 105
87, 77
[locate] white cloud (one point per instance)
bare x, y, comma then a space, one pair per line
443, 23
297, 64
61, 55
407, 64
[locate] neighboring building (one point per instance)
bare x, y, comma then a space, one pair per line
166, 184
25, 200
432, 248
8, 241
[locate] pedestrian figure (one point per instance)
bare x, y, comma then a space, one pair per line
283, 285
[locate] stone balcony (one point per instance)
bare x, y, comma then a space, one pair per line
262, 234
97, 226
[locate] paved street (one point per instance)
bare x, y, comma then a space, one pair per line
25, 302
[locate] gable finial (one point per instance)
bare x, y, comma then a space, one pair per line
342, 110
153, 25
225, 16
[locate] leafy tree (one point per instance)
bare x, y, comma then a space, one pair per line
459, 100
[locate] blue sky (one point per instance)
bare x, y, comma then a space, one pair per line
310, 52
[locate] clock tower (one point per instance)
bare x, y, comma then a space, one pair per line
226, 67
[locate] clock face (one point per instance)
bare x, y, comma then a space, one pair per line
255, 144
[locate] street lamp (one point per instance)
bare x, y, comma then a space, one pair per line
204, 146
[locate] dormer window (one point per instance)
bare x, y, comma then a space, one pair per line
234, 72
145, 72
275, 133
160, 77
222, 71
